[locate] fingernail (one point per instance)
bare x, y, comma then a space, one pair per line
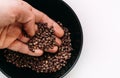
37, 51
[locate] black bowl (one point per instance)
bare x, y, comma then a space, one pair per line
59, 11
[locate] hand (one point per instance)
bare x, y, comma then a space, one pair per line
16, 15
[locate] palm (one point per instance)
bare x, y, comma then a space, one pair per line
9, 34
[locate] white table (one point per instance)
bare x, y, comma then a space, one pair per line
100, 20
100, 56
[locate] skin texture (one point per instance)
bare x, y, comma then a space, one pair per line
17, 15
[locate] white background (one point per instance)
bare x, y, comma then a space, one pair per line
100, 20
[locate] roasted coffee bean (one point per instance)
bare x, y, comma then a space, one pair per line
44, 39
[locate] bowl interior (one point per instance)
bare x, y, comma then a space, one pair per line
59, 11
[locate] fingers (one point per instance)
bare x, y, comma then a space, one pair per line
2, 37
23, 48
52, 50
58, 41
9, 34
41, 17
29, 27
27, 18
55, 48
36, 27
23, 39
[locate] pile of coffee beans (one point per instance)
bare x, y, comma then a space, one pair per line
43, 35
48, 62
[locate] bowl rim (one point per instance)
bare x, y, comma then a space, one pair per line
80, 50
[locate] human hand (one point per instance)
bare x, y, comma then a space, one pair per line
17, 15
